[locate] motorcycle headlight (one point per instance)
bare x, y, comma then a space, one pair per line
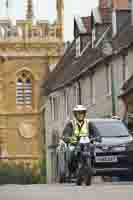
71, 147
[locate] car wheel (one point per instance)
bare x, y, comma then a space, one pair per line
62, 178
79, 181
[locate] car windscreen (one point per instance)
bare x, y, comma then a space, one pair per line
111, 129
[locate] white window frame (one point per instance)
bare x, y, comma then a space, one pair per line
124, 69
78, 47
93, 37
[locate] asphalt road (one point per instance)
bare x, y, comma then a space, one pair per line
67, 192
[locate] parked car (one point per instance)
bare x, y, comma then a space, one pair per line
114, 150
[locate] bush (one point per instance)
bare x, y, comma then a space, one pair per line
43, 171
18, 174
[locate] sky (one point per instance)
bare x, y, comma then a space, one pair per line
46, 9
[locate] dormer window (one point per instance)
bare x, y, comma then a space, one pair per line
105, 3
109, 4
93, 37
78, 46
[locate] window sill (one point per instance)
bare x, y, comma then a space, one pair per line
108, 94
92, 105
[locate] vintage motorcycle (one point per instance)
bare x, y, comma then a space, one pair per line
75, 162
85, 155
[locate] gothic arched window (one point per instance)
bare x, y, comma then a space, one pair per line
24, 88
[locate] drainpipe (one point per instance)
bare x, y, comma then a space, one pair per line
79, 93
132, 12
113, 91
126, 109
114, 23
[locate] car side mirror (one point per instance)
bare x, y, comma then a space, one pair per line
131, 132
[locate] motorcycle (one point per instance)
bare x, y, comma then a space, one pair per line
85, 153
75, 162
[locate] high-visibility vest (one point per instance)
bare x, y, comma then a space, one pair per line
77, 131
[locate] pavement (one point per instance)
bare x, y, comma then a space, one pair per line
104, 191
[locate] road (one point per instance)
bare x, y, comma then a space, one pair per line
67, 192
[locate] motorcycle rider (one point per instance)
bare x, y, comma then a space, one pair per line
74, 129
77, 127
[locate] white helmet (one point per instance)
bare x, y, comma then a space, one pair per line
79, 108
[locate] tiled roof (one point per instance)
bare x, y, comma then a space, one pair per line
71, 68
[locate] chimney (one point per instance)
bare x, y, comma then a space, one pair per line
105, 4
120, 4
116, 4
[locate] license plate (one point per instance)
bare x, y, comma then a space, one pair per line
105, 159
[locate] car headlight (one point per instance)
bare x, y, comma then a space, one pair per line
120, 148
130, 146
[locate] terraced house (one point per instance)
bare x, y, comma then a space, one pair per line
92, 72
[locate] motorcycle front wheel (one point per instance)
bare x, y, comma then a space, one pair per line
88, 173
88, 180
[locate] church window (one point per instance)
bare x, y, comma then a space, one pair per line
24, 89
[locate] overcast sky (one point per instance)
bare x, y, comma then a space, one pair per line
46, 9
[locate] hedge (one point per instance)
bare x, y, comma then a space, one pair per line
11, 173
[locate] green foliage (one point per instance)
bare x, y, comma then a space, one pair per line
18, 174
43, 169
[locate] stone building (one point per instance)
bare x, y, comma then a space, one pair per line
91, 72
127, 97
29, 49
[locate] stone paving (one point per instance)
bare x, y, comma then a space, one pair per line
67, 192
